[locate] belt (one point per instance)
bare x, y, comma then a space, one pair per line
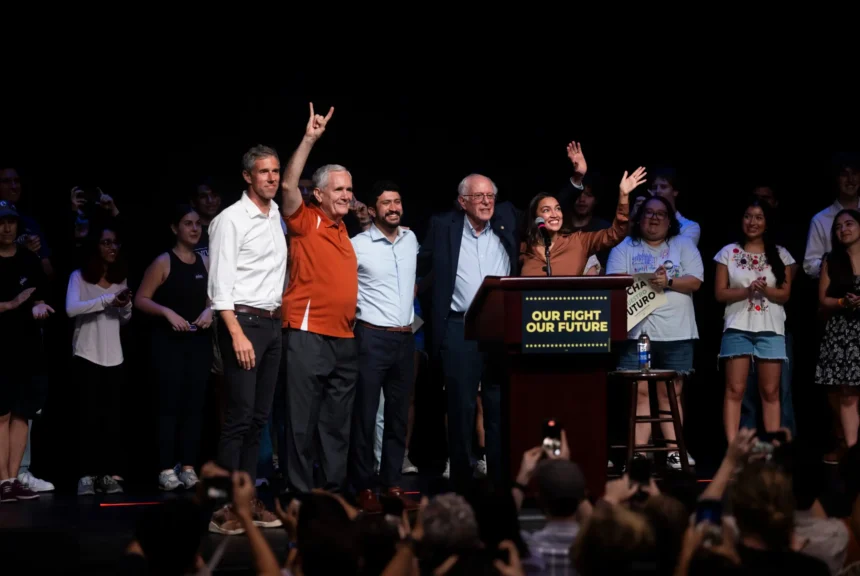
240, 309
401, 329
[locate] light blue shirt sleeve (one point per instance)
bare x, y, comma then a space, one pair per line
691, 260
617, 263
481, 255
386, 277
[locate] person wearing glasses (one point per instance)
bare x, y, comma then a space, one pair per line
462, 247
656, 247
99, 301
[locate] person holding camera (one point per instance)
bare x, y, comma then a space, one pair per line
174, 288
99, 300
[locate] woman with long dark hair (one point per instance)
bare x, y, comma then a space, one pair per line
99, 300
839, 294
753, 280
674, 265
174, 288
569, 251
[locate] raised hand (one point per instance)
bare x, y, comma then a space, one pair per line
620, 490
531, 458
741, 446
574, 152
630, 183
41, 311
107, 203
78, 200
316, 124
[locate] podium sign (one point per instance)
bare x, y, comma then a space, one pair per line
566, 322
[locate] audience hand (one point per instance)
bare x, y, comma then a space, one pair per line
630, 183
351, 511
22, 297
122, 298
290, 518
41, 311
316, 124
580, 167
620, 490
107, 203
33, 243
204, 321
513, 567
531, 458
244, 351
243, 494
416, 532
78, 199
741, 447
178, 323
853, 301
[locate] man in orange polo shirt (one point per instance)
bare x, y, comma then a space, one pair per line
320, 300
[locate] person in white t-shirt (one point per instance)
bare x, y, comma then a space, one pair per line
753, 280
655, 246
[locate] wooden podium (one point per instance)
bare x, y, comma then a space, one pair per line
556, 337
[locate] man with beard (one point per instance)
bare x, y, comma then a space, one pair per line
387, 256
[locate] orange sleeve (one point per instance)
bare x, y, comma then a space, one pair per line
594, 242
299, 222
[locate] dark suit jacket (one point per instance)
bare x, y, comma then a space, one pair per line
440, 254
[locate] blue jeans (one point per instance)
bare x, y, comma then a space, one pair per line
752, 400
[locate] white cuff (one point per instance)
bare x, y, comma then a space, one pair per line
575, 185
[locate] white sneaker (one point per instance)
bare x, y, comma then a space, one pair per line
168, 481
34, 484
673, 460
609, 465
447, 473
408, 466
481, 468
189, 479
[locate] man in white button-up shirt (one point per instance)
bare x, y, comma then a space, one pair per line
664, 183
818, 242
248, 265
387, 257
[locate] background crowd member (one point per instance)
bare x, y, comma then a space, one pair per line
753, 279
321, 300
570, 251
99, 300
174, 289
386, 255
570, 193
22, 390
30, 234
839, 294
665, 183
206, 201
654, 246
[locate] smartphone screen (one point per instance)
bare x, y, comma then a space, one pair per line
640, 471
769, 437
709, 511
552, 436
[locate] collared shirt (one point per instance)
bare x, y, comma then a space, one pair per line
323, 290
247, 257
818, 241
826, 538
689, 229
550, 548
481, 255
386, 277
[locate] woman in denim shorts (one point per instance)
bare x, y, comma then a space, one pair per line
654, 246
754, 282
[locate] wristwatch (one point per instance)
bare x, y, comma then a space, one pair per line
669, 284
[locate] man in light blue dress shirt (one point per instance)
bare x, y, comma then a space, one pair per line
387, 255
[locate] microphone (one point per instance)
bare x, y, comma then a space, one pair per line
541, 224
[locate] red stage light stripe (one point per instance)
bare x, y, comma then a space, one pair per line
412, 493
117, 504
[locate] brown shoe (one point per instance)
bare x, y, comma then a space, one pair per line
262, 517
368, 502
224, 521
409, 504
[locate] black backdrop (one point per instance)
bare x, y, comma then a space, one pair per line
145, 132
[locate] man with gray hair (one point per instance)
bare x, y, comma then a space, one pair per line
321, 299
247, 269
461, 248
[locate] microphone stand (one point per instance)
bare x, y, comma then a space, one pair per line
548, 266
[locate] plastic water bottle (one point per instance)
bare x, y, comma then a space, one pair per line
644, 347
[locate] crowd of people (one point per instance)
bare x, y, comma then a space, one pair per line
299, 302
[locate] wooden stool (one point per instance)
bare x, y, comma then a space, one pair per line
674, 415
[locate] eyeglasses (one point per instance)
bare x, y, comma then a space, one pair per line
110, 243
651, 214
489, 197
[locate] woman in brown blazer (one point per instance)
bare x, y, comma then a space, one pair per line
569, 252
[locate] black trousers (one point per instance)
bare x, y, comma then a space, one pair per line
182, 363
464, 367
249, 392
386, 361
321, 373
100, 414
